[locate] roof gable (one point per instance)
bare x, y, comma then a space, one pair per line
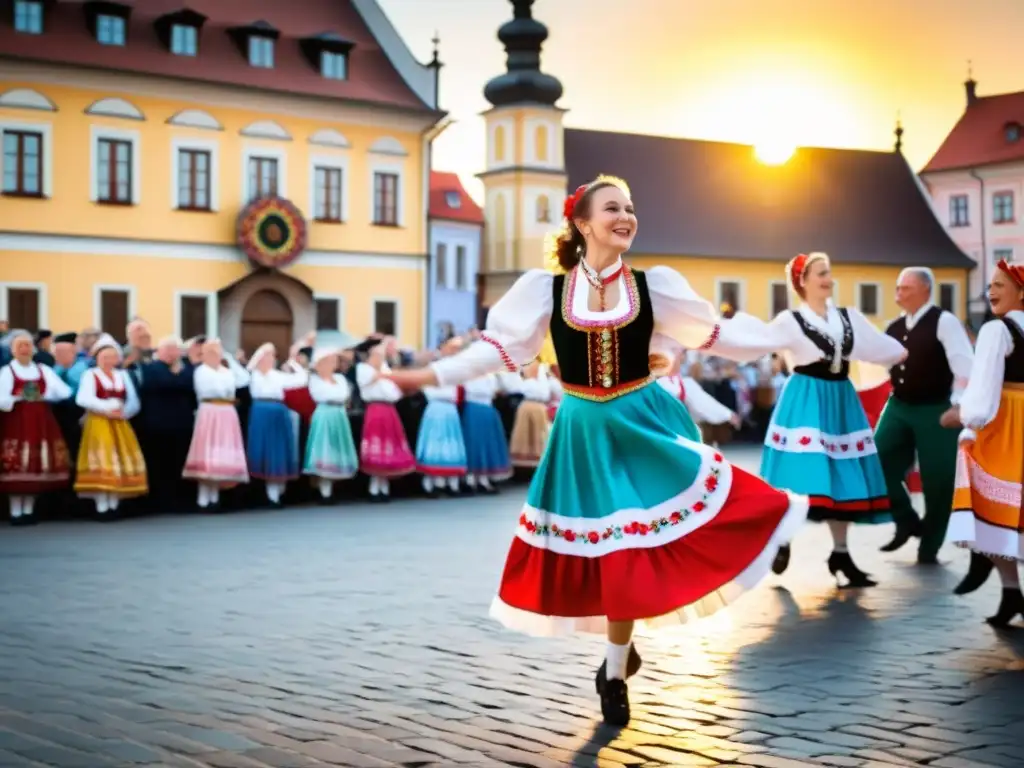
704, 198
450, 201
980, 136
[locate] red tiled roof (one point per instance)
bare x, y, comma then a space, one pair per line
979, 137
707, 198
441, 184
67, 39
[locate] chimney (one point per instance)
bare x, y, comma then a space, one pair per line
970, 86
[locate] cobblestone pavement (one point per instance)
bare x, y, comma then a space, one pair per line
358, 636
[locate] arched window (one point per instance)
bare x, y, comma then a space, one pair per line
540, 142
543, 209
499, 144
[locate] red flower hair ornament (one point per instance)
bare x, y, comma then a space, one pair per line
798, 266
572, 201
1014, 271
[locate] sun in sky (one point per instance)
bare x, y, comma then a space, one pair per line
774, 151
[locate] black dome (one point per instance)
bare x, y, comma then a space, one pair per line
523, 82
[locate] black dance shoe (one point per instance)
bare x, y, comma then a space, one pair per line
633, 664
981, 568
781, 561
841, 562
1010, 606
905, 531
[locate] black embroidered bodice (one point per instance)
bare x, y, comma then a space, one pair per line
1014, 370
598, 353
835, 367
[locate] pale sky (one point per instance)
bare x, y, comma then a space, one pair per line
808, 72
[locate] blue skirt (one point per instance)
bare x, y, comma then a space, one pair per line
440, 450
330, 449
271, 450
820, 444
486, 444
629, 516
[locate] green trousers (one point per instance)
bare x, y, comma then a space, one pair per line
903, 431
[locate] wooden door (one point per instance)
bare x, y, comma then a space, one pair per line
267, 317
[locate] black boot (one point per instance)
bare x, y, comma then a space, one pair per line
841, 562
905, 531
781, 561
1010, 605
981, 568
633, 663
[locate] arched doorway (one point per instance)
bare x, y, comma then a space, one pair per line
267, 316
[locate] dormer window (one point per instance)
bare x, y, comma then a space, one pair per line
1012, 131
109, 21
328, 53
453, 199
179, 31
256, 42
334, 66
28, 16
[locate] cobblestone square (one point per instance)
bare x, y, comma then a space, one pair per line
358, 636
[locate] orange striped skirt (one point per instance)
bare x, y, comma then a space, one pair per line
989, 474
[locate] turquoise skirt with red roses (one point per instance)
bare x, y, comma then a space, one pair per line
631, 517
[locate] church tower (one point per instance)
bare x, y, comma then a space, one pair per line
524, 178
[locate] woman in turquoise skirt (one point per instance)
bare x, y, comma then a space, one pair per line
819, 442
629, 516
330, 450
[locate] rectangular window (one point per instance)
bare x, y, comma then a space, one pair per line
958, 211
115, 171
262, 177
114, 313
23, 309
867, 298
334, 66
28, 16
328, 314
947, 297
23, 163
193, 180
385, 199
461, 267
261, 52
1002, 208
194, 316
385, 317
729, 294
328, 194
184, 40
441, 267
1003, 254
780, 298
110, 30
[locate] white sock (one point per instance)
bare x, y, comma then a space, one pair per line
102, 503
471, 480
326, 486
274, 492
616, 657
485, 483
374, 486
113, 500
428, 484
204, 495
16, 506
453, 483
30, 504
214, 494
385, 486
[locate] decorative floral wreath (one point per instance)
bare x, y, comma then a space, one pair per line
569, 206
272, 232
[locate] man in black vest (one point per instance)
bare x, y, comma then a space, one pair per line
923, 387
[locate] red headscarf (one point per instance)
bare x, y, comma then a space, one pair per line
1014, 271
797, 268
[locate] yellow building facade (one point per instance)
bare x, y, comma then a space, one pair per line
144, 178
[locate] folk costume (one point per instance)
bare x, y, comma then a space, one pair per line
702, 407
487, 457
216, 456
532, 426
330, 449
33, 455
819, 442
629, 516
440, 449
110, 465
384, 450
272, 449
931, 378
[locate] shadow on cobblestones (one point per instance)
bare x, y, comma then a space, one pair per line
358, 636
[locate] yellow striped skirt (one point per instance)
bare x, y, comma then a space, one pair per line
109, 459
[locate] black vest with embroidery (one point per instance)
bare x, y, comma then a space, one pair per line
596, 353
1014, 371
925, 377
822, 369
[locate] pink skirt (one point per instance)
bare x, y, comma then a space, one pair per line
384, 450
217, 454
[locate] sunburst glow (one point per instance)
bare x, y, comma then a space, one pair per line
774, 152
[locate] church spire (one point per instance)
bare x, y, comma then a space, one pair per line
523, 82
